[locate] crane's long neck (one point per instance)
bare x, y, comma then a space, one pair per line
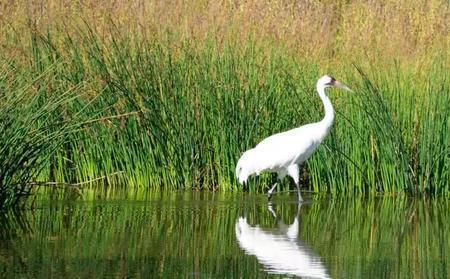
328, 119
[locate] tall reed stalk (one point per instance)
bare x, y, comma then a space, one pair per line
29, 133
186, 110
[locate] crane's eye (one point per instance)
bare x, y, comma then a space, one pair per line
331, 82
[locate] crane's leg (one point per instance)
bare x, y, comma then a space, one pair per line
269, 193
280, 176
293, 171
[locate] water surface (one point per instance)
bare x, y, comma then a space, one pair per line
206, 235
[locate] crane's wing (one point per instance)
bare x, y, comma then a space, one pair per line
284, 149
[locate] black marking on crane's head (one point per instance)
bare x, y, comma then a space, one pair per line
332, 81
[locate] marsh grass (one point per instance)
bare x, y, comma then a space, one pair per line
395, 143
326, 31
174, 111
192, 111
29, 134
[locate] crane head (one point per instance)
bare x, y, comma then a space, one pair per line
329, 81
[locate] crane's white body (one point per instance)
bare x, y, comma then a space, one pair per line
280, 152
284, 152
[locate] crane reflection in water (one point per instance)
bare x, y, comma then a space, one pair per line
280, 250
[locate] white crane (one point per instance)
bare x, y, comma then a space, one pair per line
284, 152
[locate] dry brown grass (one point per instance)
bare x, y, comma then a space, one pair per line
406, 31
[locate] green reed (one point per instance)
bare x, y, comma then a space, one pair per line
29, 132
171, 115
391, 136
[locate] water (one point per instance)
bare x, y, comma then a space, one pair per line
205, 235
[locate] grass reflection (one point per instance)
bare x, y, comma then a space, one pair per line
381, 238
193, 235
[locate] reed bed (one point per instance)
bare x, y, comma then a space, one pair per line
32, 127
174, 108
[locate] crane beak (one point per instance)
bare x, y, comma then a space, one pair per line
342, 86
